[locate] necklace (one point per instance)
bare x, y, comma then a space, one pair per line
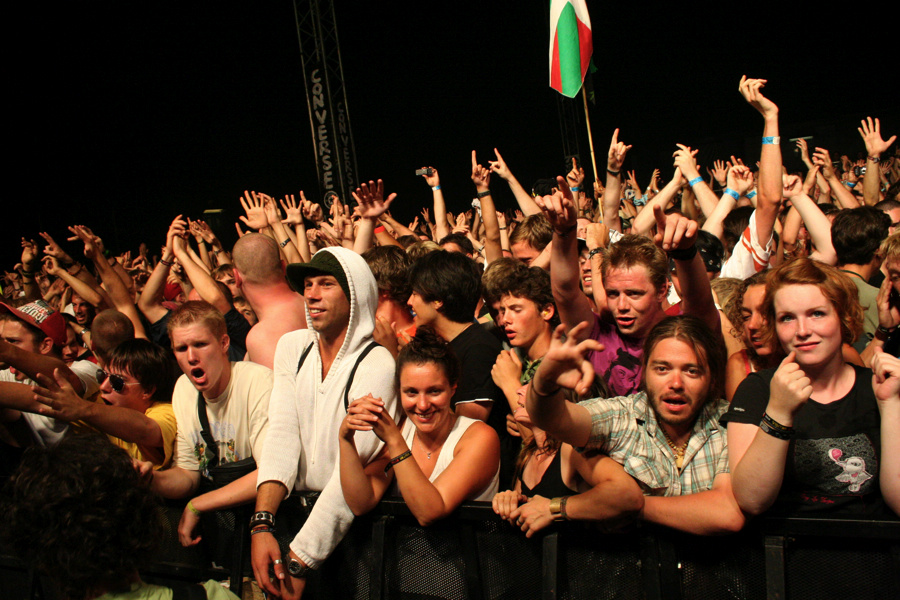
425, 450
678, 451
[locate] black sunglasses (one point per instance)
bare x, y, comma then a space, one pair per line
118, 384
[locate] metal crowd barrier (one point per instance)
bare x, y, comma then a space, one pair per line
474, 555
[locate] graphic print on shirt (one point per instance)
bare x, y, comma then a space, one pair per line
854, 469
224, 434
837, 466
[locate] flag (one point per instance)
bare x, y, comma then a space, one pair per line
570, 45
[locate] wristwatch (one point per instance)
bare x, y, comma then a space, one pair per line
298, 569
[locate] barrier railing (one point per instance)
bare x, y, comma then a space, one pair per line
474, 555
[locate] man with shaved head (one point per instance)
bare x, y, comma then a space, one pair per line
259, 272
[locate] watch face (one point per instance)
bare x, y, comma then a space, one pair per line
296, 569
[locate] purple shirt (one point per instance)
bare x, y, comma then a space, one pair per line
619, 363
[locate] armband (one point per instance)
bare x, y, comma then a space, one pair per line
772, 139
752, 194
732, 193
695, 181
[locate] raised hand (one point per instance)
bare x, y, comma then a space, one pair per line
596, 235
507, 370
292, 211
740, 179
871, 135
312, 210
617, 152
565, 364
686, 161
29, 254
273, 215
751, 91
53, 249
674, 231
559, 207
792, 186
499, 167
804, 152
370, 198
59, 399
888, 312
481, 176
789, 391
433, 179
885, 377
719, 172
575, 177
822, 158
462, 226
256, 213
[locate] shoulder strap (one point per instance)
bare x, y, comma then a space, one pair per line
212, 448
303, 357
362, 355
193, 591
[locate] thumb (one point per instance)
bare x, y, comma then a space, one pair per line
789, 358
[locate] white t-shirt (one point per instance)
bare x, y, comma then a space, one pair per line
238, 418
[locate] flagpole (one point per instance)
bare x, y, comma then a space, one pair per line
587, 118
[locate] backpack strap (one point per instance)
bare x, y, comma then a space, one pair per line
303, 357
362, 355
212, 448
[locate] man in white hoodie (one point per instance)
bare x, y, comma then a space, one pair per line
318, 372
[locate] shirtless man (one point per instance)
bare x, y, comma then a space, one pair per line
259, 273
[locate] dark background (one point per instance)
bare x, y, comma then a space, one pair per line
123, 115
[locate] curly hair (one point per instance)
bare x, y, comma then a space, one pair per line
428, 348
79, 513
837, 287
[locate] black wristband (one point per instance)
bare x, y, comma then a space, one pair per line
684, 253
483, 194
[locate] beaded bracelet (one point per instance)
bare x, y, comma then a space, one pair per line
397, 460
775, 429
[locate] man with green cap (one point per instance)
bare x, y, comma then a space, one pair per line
318, 371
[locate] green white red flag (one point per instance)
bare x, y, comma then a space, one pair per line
570, 45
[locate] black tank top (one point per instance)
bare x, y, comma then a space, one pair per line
551, 484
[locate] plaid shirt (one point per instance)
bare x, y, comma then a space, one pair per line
626, 429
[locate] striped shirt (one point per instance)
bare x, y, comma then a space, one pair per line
626, 429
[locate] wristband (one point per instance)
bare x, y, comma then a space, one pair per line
435, 188
167, 263
850, 184
379, 229
775, 429
594, 252
191, 508
683, 254
772, 139
262, 517
557, 508
752, 194
262, 529
562, 508
732, 193
613, 173
642, 201
503, 229
285, 242
574, 189
874, 159
695, 181
397, 460
483, 194
565, 232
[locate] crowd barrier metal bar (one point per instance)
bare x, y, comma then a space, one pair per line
661, 563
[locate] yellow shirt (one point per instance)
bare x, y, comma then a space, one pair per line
162, 413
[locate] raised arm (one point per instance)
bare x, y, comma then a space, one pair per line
441, 230
817, 223
768, 200
875, 147
677, 237
283, 236
371, 205
886, 385
565, 270
613, 191
739, 180
481, 177
645, 220
150, 302
202, 281
686, 161
845, 197
526, 203
293, 215
564, 366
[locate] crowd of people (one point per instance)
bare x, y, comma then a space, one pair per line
691, 354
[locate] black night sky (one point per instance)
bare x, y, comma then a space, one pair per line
124, 115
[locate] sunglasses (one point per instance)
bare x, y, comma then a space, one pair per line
115, 381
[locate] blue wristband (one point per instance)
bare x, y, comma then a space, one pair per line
642, 201
695, 181
776, 140
850, 184
575, 189
732, 193
435, 188
752, 194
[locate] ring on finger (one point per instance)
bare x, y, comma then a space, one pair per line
277, 561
